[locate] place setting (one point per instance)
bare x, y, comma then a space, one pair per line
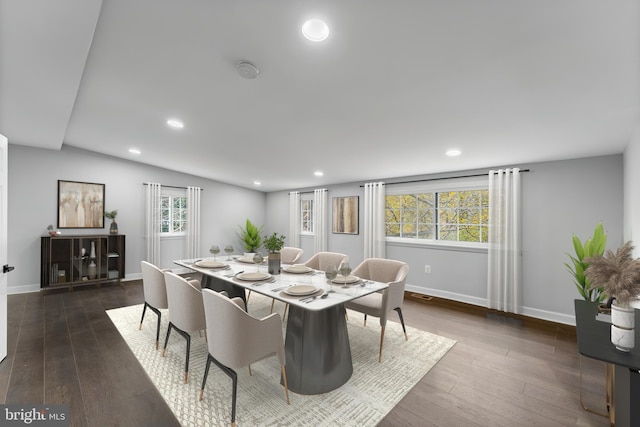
257, 277
298, 269
306, 293
211, 264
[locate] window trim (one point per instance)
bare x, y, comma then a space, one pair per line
173, 193
454, 184
307, 197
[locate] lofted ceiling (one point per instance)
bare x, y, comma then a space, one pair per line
396, 84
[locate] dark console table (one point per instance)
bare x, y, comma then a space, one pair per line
594, 341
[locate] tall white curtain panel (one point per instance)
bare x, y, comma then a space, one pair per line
192, 240
294, 219
320, 197
374, 234
152, 222
504, 282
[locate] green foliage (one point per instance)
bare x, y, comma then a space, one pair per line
592, 247
250, 236
111, 214
273, 243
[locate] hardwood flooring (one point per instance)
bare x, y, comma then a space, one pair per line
503, 371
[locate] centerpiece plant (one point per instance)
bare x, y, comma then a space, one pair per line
250, 236
273, 244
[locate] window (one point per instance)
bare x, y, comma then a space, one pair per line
173, 214
454, 213
306, 214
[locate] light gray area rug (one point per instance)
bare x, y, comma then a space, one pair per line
373, 390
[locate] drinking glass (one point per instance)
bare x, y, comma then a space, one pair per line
345, 270
214, 250
257, 259
229, 250
331, 272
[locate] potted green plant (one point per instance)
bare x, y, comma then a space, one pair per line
112, 216
618, 274
273, 244
592, 247
250, 237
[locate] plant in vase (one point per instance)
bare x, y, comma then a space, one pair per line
250, 236
273, 244
112, 216
618, 274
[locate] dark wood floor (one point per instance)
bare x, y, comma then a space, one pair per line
502, 372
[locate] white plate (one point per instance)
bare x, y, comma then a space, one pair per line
209, 263
341, 279
297, 269
253, 276
300, 290
245, 259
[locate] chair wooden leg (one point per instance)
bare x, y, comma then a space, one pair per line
284, 314
273, 301
399, 311
206, 374
248, 295
286, 387
381, 342
365, 320
250, 373
143, 311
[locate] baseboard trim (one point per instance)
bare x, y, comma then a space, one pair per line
27, 289
527, 312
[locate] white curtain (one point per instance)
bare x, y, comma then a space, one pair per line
374, 234
152, 223
504, 284
192, 241
320, 220
294, 219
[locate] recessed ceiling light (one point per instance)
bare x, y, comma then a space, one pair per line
315, 30
453, 153
134, 151
257, 183
175, 123
318, 173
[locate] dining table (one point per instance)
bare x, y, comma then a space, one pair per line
318, 354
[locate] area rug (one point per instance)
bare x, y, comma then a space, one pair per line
373, 390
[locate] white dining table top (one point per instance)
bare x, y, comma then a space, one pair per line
279, 284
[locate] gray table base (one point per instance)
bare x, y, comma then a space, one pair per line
219, 285
317, 350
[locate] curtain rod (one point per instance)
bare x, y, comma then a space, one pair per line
171, 186
302, 192
438, 179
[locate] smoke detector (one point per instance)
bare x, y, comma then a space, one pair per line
247, 70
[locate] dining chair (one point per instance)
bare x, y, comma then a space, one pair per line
155, 292
321, 260
236, 339
186, 311
290, 255
380, 304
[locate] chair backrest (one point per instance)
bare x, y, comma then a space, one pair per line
290, 255
321, 260
388, 271
186, 310
153, 285
235, 338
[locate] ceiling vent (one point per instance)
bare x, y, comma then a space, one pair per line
247, 70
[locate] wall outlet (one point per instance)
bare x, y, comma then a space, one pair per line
427, 269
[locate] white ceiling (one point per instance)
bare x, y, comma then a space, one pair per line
396, 84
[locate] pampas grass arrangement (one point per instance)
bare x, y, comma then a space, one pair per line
617, 273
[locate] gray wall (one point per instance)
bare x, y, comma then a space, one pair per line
559, 199
33, 180
632, 190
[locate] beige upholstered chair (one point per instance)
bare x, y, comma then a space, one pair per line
321, 260
186, 311
289, 255
155, 292
380, 304
236, 339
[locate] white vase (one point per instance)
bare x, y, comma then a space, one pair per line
93, 250
622, 327
92, 270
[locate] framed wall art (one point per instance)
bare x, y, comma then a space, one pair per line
80, 204
345, 215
